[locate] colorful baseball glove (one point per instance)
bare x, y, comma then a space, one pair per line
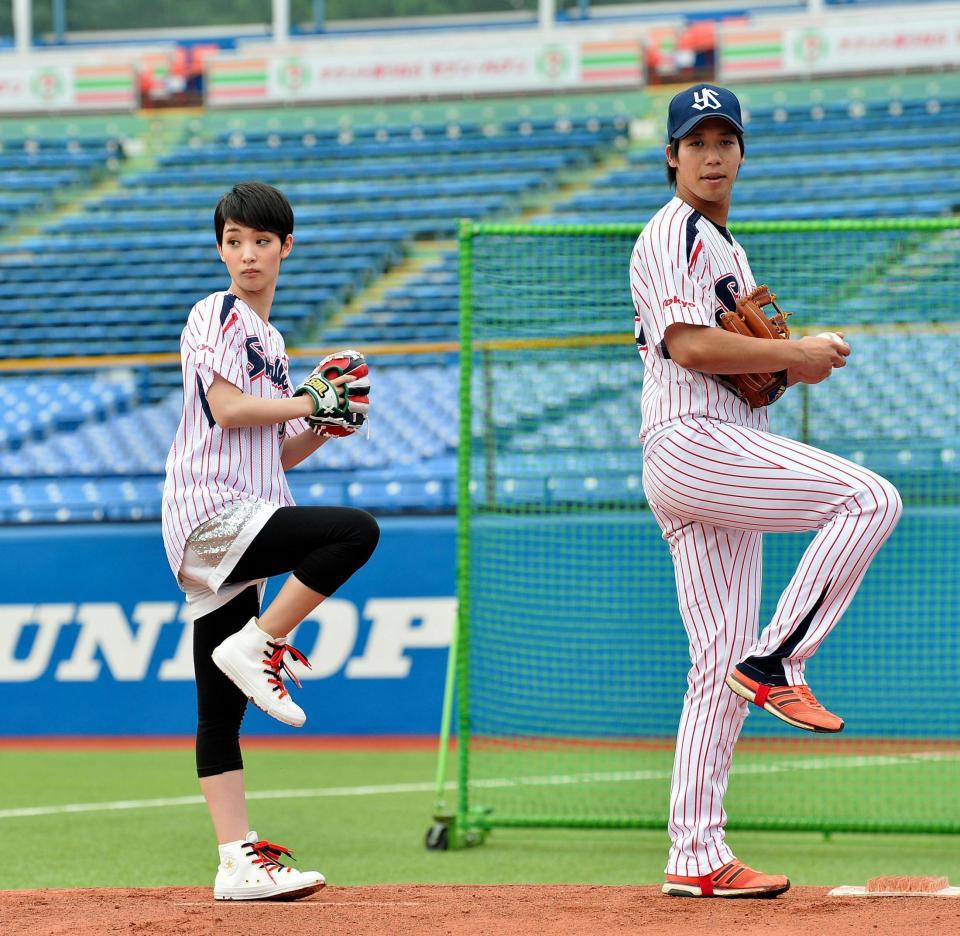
354, 412
748, 318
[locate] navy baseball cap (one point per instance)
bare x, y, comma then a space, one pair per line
698, 103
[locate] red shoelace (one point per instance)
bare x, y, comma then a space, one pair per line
276, 665
806, 693
266, 855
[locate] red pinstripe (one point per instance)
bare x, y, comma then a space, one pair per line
659, 271
714, 527
696, 800
854, 543
210, 468
716, 480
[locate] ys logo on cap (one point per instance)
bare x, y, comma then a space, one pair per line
704, 98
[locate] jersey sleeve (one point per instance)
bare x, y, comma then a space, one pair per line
675, 287
294, 427
219, 347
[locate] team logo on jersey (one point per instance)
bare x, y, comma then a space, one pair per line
256, 358
727, 290
258, 365
704, 98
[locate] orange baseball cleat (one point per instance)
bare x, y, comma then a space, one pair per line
734, 879
796, 705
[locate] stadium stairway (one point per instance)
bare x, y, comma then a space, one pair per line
75, 267
901, 181
420, 302
376, 190
383, 311
38, 175
842, 160
394, 277
74, 270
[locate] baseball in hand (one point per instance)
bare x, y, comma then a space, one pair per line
842, 347
833, 336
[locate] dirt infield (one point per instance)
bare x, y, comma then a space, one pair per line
508, 910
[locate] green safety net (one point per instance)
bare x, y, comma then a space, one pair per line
572, 658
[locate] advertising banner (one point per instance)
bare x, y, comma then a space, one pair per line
838, 47
37, 87
95, 638
336, 73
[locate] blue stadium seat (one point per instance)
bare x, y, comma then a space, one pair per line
74, 450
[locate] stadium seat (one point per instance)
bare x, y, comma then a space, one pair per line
73, 450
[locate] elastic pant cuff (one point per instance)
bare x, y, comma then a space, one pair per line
764, 670
216, 770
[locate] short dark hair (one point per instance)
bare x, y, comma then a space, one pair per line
255, 205
675, 148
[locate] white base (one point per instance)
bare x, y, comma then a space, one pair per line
863, 892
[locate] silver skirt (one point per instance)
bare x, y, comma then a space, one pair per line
211, 541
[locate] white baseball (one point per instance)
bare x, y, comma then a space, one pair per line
833, 336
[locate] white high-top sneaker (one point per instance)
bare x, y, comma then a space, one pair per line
251, 870
254, 661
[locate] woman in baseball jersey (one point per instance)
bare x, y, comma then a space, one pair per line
229, 521
716, 480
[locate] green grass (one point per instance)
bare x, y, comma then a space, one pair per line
354, 839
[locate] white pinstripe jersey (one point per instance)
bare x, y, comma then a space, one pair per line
210, 468
687, 269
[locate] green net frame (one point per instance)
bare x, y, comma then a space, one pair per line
567, 667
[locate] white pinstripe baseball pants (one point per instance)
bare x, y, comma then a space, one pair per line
715, 488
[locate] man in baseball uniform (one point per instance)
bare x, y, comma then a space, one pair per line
716, 479
229, 521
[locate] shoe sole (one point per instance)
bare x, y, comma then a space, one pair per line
237, 680
746, 693
691, 890
271, 893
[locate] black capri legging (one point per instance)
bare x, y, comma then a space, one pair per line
322, 547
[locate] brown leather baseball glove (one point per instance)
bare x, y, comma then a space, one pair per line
748, 318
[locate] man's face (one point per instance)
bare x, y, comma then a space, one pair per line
707, 161
252, 257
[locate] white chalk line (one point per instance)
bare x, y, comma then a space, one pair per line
841, 762
324, 904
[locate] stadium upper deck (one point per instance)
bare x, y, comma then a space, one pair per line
372, 197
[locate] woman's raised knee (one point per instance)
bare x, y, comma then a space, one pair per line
367, 532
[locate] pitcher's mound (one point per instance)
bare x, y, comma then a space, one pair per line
460, 910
